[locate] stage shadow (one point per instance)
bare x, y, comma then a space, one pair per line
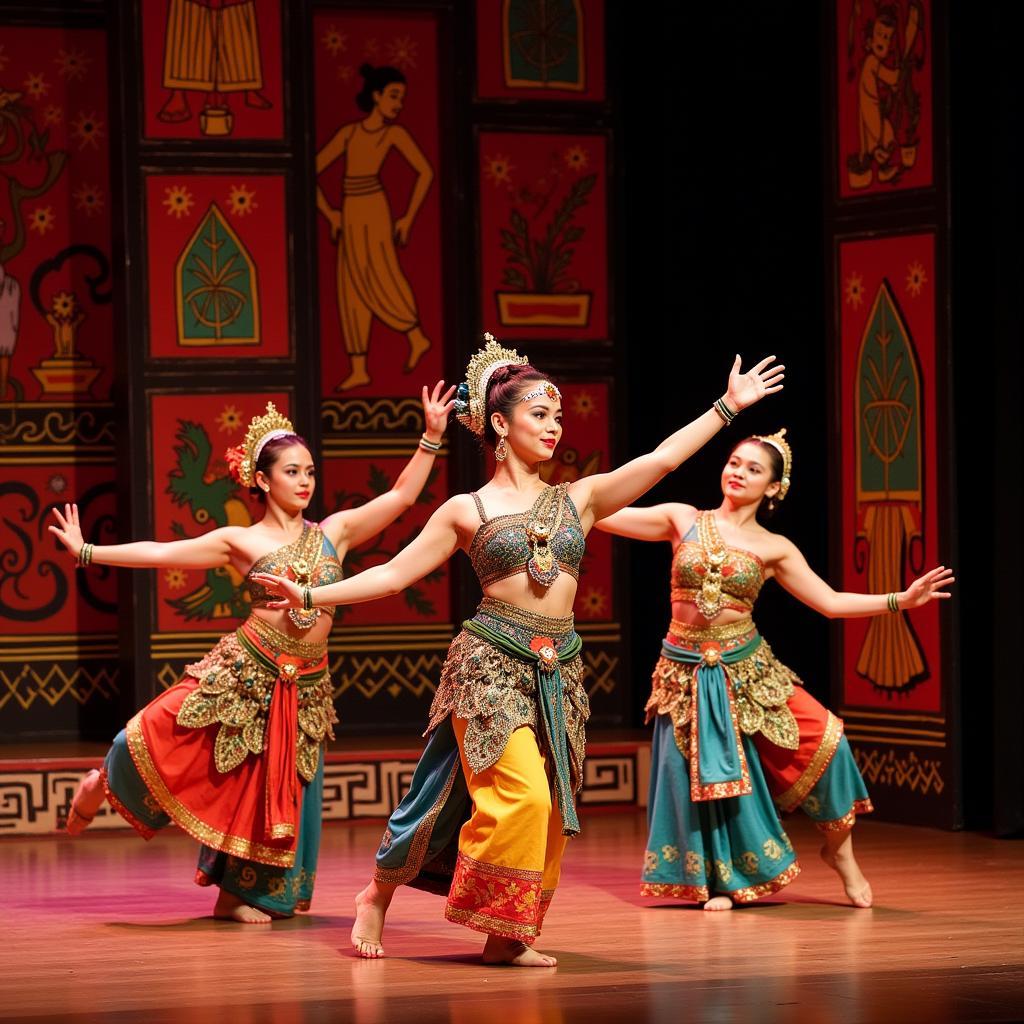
301, 922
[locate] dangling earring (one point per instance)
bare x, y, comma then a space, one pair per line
500, 449
771, 504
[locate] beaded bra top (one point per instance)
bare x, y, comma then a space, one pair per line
311, 560
549, 533
711, 575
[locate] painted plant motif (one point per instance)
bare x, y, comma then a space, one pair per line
889, 491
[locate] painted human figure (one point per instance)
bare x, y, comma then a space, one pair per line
10, 311
211, 47
370, 280
877, 138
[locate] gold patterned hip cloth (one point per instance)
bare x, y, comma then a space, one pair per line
496, 693
794, 735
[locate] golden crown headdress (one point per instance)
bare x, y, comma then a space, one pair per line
781, 445
262, 429
471, 395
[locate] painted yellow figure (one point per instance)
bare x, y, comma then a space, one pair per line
370, 280
211, 47
877, 139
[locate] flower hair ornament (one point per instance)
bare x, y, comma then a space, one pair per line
242, 458
471, 395
781, 445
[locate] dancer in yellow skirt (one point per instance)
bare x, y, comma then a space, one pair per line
510, 710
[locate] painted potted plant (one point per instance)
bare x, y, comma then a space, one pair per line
541, 291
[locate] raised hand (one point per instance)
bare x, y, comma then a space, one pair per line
69, 532
747, 388
289, 592
929, 587
436, 410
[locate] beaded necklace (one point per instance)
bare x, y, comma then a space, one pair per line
543, 522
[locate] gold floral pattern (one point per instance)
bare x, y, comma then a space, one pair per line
236, 685
761, 685
670, 853
848, 820
496, 693
798, 792
495, 899
650, 862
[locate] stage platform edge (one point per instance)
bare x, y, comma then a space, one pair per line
361, 781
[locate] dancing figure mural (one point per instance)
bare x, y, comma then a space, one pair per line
369, 278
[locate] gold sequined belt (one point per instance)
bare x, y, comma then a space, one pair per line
694, 633
539, 625
361, 185
282, 642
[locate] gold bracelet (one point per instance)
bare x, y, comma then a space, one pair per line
429, 446
893, 602
84, 556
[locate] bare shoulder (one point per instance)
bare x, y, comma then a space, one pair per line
682, 517
774, 547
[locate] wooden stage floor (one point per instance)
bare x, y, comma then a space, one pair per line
108, 928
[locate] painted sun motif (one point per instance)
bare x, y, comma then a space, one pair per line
63, 305
36, 86
499, 169
855, 290
916, 278
371, 49
88, 129
583, 405
175, 578
595, 602
42, 219
345, 72
178, 201
402, 52
57, 483
576, 158
72, 64
89, 198
335, 41
53, 114
241, 200
230, 419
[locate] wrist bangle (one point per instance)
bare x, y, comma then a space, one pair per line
84, 556
893, 602
307, 599
727, 414
429, 446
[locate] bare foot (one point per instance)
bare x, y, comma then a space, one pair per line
358, 377
368, 928
514, 953
418, 344
88, 799
719, 903
230, 908
844, 864
176, 109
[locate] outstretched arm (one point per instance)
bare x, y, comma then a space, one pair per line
601, 495
207, 552
793, 572
352, 527
658, 522
433, 546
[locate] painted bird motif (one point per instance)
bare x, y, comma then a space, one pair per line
212, 499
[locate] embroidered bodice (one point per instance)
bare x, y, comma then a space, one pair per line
742, 572
501, 547
311, 559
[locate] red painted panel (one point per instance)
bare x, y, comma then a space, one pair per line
899, 272
212, 69
543, 235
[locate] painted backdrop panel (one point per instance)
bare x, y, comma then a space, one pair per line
540, 49
887, 302
217, 249
543, 235
212, 69
379, 229
884, 83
